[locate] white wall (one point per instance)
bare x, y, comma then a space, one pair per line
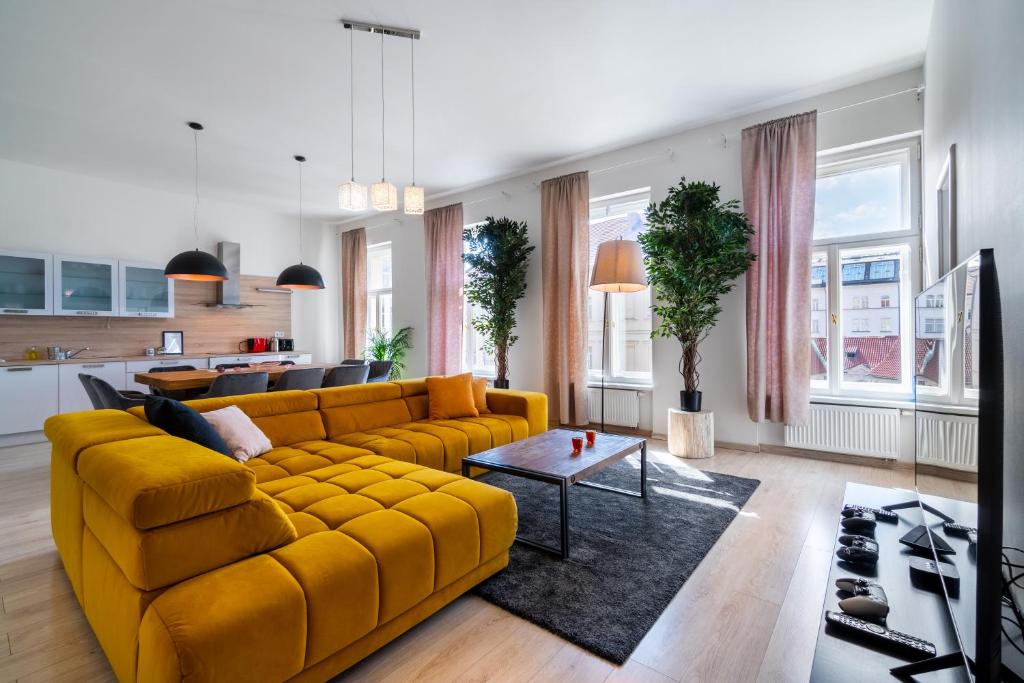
696, 154
975, 100
54, 211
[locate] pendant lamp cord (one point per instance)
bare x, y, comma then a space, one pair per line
352, 101
195, 207
383, 174
412, 86
300, 211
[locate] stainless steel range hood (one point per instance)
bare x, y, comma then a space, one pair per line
229, 292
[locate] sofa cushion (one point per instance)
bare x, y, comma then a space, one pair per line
451, 396
157, 480
480, 396
240, 433
341, 420
178, 419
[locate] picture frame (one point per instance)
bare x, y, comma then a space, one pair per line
173, 342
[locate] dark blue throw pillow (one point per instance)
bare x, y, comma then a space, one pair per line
177, 419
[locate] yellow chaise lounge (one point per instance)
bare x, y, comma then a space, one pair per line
190, 566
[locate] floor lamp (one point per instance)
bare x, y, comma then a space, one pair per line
618, 268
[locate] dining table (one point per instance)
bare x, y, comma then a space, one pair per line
178, 380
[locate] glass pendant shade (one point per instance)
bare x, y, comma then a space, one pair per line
352, 196
196, 265
413, 200
300, 276
384, 196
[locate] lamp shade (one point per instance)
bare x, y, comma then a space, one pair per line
414, 200
619, 267
352, 196
300, 276
196, 265
384, 196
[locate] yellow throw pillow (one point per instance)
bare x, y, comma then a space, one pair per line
451, 397
480, 396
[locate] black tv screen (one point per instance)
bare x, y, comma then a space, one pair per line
958, 370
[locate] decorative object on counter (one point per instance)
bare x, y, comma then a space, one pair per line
498, 255
618, 268
196, 265
695, 247
300, 276
32, 353
351, 195
174, 343
393, 348
254, 344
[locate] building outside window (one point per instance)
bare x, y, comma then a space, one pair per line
378, 288
630, 360
866, 245
474, 358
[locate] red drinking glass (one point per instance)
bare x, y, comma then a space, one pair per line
577, 445
591, 438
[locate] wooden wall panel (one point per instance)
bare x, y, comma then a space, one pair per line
207, 330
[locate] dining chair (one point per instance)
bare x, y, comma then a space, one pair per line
300, 378
380, 371
237, 384
228, 366
180, 394
106, 396
90, 391
354, 361
344, 375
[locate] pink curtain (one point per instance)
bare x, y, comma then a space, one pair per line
353, 292
778, 196
443, 234
565, 220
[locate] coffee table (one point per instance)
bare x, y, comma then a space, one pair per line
548, 458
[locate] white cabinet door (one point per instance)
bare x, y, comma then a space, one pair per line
84, 286
298, 358
72, 394
220, 360
28, 395
134, 366
26, 283
144, 292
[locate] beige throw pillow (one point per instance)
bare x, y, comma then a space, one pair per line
244, 439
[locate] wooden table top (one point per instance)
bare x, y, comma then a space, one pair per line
550, 453
200, 379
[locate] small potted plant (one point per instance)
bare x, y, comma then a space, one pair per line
498, 255
695, 247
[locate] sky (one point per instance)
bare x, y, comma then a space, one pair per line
858, 202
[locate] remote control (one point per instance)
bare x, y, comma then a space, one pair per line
880, 514
899, 643
968, 532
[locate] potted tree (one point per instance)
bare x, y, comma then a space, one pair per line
695, 247
498, 255
383, 346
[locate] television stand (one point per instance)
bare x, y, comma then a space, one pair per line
925, 666
913, 504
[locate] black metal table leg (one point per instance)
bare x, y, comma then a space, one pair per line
643, 469
563, 490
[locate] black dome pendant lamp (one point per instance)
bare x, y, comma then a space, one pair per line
300, 276
196, 265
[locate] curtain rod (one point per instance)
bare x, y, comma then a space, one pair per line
919, 89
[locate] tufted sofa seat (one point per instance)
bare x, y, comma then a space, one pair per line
295, 565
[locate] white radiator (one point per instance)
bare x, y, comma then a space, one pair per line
854, 430
621, 407
947, 440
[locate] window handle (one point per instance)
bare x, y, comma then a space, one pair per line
835, 319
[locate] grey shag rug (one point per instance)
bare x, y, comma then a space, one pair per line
628, 556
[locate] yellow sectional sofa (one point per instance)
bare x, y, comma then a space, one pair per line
295, 565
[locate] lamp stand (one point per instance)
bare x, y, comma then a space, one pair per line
604, 355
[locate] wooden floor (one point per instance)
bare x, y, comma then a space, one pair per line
748, 613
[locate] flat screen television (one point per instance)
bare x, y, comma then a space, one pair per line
958, 382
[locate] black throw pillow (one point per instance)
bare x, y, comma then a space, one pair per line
177, 419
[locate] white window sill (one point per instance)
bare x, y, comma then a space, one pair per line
610, 384
866, 402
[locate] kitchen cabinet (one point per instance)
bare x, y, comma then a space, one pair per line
134, 366
26, 283
298, 358
28, 395
72, 396
84, 286
144, 292
221, 360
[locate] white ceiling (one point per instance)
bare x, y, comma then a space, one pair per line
104, 87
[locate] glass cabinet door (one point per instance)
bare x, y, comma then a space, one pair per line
145, 292
26, 284
85, 286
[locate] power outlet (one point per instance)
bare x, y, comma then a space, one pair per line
278, 334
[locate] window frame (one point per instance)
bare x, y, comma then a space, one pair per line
843, 160
373, 295
617, 341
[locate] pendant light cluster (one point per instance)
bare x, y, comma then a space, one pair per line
196, 265
300, 276
383, 195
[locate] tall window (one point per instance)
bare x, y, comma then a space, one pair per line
629, 315
864, 269
378, 288
474, 358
